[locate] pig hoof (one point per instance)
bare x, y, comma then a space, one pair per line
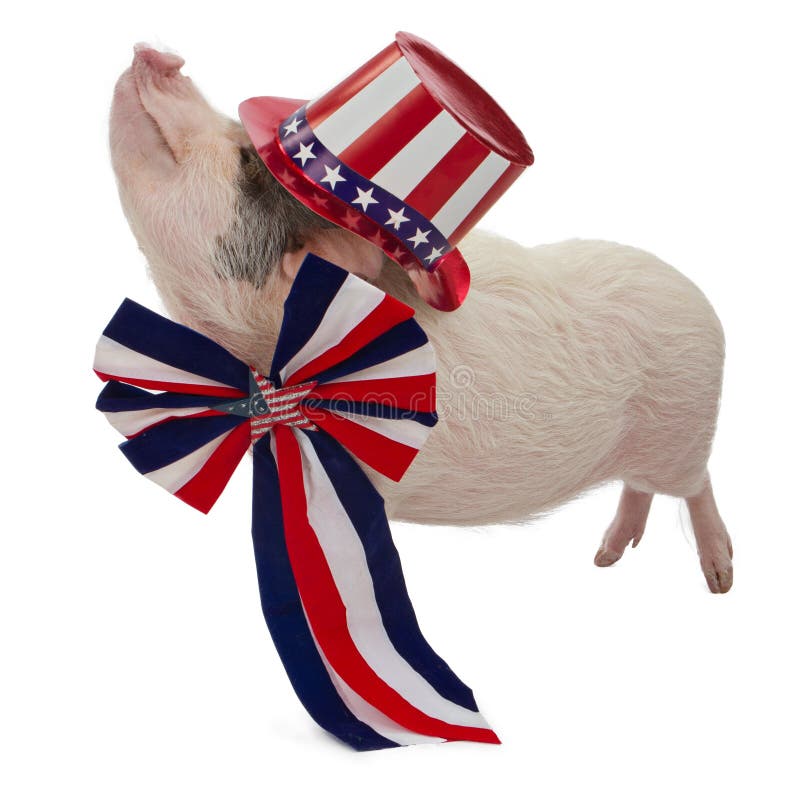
719, 577
605, 557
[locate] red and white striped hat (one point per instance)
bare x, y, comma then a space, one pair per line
407, 152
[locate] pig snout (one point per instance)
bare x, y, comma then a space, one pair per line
163, 62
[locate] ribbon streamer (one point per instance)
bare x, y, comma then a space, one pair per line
352, 375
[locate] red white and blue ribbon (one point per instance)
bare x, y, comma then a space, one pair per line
419, 235
352, 375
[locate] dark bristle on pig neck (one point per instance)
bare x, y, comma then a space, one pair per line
269, 221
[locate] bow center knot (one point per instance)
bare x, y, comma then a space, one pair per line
270, 405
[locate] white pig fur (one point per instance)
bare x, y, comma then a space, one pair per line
568, 365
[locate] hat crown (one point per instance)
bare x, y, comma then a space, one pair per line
408, 151
413, 123
465, 99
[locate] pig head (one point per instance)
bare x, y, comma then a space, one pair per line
222, 238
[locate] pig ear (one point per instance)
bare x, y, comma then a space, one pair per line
343, 249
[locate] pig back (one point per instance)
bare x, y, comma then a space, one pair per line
568, 365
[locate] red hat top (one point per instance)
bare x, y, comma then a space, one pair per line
408, 152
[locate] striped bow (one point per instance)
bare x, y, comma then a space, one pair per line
353, 375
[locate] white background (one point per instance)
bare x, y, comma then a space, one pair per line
133, 648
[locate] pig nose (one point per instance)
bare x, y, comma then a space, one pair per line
160, 62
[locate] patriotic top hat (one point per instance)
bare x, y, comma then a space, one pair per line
408, 152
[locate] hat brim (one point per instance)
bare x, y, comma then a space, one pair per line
444, 288
261, 117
